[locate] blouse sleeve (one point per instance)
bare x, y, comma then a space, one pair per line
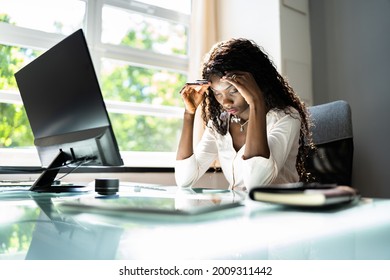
188, 171
283, 136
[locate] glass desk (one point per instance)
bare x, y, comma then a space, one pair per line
50, 226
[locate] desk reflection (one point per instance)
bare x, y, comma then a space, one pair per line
57, 236
44, 233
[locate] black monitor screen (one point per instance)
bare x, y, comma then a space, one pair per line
65, 107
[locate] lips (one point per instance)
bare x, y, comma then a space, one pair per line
232, 111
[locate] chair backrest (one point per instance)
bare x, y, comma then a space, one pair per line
333, 136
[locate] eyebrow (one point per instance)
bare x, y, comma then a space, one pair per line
228, 87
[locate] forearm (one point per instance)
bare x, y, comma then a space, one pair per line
185, 148
256, 143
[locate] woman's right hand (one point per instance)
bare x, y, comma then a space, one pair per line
192, 96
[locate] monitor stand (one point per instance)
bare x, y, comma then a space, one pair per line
46, 181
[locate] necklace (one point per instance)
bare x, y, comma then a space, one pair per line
238, 120
242, 125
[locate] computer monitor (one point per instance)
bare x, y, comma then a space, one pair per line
66, 111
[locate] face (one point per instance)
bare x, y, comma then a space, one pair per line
229, 97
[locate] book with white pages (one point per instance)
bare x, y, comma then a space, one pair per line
305, 195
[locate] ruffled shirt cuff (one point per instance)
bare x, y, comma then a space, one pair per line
259, 171
186, 172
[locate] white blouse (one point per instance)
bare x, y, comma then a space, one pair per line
283, 140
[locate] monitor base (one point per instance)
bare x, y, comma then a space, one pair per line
47, 183
63, 189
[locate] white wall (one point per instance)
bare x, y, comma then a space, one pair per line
296, 47
257, 20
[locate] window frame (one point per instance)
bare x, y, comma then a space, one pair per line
24, 37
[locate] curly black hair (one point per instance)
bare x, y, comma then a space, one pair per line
245, 55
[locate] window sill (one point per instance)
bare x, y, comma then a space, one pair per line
28, 157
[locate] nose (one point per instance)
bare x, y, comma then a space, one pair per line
226, 101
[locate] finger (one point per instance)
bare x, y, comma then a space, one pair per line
204, 88
182, 90
199, 88
186, 90
234, 79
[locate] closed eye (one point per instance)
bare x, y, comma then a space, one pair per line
217, 95
234, 91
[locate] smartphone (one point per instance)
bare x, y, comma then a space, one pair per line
198, 82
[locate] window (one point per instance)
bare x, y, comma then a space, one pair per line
140, 54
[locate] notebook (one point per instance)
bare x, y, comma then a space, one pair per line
305, 195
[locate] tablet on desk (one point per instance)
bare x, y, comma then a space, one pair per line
178, 205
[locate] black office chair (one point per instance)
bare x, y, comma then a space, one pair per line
332, 134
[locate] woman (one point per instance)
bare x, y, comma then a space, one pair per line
256, 126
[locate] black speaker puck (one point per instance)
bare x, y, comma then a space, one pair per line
106, 186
